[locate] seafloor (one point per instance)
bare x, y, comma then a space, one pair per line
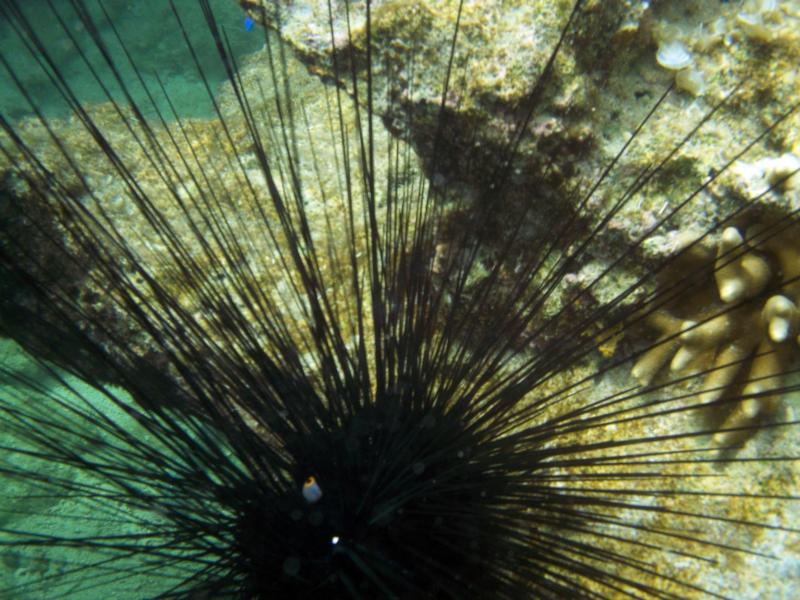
583, 120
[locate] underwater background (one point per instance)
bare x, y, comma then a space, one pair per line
151, 37
758, 48
157, 47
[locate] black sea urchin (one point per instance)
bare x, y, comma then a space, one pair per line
293, 360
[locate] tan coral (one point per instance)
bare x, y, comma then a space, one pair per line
740, 273
781, 317
741, 333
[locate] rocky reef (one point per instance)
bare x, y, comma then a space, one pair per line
615, 65
621, 57
197, 158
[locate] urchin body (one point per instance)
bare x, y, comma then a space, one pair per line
404, 509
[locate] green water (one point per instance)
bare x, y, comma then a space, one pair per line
156, 44
34, 504
153, 38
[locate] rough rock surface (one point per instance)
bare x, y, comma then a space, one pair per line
603, 83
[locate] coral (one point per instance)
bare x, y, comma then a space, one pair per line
743, 322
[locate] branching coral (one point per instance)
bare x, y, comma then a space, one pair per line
742, 327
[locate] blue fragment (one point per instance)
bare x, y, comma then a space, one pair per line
249, 24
